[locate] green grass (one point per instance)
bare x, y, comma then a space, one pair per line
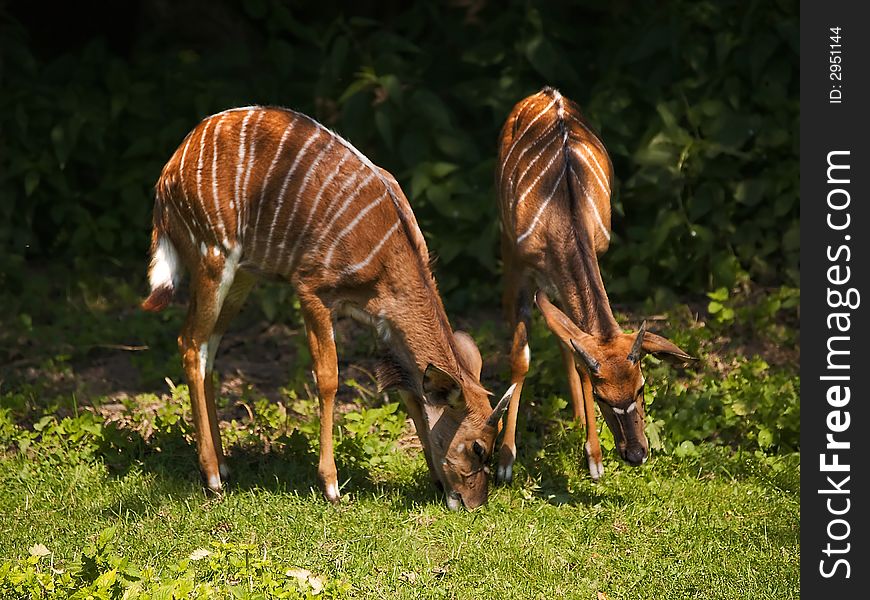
719, 525
100, 495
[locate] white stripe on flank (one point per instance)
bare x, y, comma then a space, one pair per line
598, 172
368, 163
283, 191
249, 168
346, 204
214, 182
351, 226
543, 206
593, 205
528, 127
526, 149
300, 198
537, 179
531, 164
265, 183
363, 263
181, 172
199, 163
241, 162
314, 204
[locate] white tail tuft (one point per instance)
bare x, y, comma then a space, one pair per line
163, 274
164, 269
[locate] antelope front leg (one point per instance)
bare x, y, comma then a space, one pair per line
412, 405
574, 385
593, 446
318, 322
519, 367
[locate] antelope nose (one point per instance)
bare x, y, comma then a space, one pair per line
635, 455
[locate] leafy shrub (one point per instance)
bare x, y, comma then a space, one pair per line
225, 570
698, 111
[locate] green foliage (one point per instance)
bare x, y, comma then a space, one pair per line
371, 435
728, 397
100, 573
699, 113
752, 407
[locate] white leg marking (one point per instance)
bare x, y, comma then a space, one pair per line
596, 469
363, 263
213, 342
283, 191
542, 207
224, 470
332, 491
505, 472
203, 249
203, 359
214, 483
231, 264
350, 227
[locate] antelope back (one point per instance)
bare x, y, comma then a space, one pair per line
554, 173
287, 194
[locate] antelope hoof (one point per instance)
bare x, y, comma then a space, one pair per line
596, 467
213, 484
330, 492
225, 472
505, 471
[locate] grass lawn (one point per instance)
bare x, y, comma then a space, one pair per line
712, 527
99, 490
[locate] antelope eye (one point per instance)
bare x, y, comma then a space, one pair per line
479, 450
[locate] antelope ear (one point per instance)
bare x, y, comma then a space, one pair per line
662, 347
439, 387
565, 329
469, 355
502, 405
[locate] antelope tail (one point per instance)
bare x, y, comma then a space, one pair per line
165, 269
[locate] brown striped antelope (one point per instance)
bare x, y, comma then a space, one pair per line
554, 185
263, 192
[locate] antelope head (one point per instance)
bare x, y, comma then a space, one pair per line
614, 369
462, 426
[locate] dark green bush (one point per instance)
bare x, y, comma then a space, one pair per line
696, 101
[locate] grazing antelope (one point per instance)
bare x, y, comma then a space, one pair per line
262, 192
554, 185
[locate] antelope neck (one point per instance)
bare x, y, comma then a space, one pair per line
418, 317
582, 291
